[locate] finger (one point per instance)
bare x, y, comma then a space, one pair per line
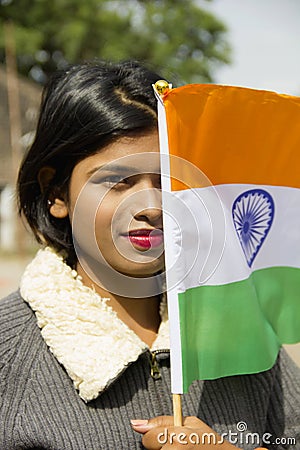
162, 421
144, 425
141, 426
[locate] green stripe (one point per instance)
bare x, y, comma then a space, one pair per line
238, 328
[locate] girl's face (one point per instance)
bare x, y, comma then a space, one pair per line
115, 206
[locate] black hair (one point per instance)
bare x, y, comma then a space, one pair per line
84, 108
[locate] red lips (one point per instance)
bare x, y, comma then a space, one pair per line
146, 239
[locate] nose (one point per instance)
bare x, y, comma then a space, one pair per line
148, 206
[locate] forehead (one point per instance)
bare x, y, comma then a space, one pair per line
137, 153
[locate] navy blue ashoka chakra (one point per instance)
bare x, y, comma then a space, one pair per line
253, 213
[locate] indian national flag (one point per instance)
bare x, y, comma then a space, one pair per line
230, 161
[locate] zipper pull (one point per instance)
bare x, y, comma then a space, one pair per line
155, 373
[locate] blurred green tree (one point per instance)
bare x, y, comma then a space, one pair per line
176, 37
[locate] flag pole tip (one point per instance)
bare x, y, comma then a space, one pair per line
162, 87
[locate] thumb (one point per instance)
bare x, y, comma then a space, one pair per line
142, 425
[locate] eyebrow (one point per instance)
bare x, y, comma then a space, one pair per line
116, 168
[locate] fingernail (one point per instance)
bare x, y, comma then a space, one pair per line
139, 422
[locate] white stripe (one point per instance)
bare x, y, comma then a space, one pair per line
213, 253
170, 255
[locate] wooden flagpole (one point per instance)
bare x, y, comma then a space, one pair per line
177, 410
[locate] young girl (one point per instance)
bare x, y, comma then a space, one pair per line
84, 342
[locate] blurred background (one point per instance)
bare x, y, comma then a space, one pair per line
254, 43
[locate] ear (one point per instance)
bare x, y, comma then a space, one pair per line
58, 207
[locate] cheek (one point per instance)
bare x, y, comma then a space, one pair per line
89, 214
103, 221
114, 214
98, 218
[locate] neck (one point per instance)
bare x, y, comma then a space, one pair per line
139, 314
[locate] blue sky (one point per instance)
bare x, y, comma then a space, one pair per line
265, 40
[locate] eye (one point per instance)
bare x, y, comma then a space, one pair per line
113, 180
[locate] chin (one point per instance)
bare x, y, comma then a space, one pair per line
143, 270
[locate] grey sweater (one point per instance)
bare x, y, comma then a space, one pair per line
40, 409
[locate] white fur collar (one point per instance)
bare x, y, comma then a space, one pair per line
81, 330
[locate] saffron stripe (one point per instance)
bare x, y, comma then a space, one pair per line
234, 135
